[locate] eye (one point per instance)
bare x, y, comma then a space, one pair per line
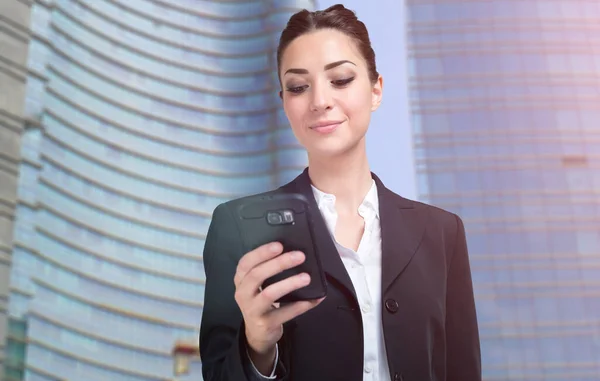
342, 82
297, 89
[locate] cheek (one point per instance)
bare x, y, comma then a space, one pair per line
358, 107
294, 110
291, 110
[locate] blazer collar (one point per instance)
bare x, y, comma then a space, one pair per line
402, 228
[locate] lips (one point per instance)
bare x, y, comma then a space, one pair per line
326, 127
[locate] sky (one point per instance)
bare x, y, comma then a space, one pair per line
389, 142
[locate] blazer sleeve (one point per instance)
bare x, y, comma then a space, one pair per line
223, 346
221, 338
463, 360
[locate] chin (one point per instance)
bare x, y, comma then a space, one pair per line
331, 149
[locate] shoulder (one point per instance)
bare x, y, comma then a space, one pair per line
224, 212
223, 233
435, 216
434, 224
231, 205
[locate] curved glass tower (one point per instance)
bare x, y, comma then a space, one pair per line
144, 115
506, 111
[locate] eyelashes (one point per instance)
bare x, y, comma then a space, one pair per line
339, 83
342, 82
297, 89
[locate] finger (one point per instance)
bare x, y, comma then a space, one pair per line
289, 311
255, 257
275, 291
254, 279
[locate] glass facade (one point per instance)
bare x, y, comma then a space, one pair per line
505, 108
145, 116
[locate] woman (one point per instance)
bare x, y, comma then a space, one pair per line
400, 301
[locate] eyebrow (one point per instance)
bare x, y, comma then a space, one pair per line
329, 66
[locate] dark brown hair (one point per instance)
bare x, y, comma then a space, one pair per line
336, 17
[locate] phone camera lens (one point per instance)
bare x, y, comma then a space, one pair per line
274, 218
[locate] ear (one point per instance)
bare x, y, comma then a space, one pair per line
377, 94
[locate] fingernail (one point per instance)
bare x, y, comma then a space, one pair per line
297, 255
304, 277
275, 247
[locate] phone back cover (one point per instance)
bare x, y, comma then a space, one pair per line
256, 231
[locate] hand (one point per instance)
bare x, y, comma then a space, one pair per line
263, 320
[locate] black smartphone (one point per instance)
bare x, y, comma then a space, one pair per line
284, 218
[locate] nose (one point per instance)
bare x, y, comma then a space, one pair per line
321, 99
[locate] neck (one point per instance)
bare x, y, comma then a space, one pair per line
347, 176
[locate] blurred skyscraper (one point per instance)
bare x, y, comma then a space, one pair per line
143, 116
506, 107
14, 39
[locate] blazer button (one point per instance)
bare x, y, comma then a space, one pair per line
391, 305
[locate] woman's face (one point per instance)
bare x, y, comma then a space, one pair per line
327, 95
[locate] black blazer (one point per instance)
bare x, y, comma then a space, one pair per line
429, 317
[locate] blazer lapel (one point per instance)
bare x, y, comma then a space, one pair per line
402, 229
330, 258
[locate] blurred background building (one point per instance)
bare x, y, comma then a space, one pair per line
14, 39
505, 100
140, 116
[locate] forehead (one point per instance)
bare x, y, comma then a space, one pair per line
318, 48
